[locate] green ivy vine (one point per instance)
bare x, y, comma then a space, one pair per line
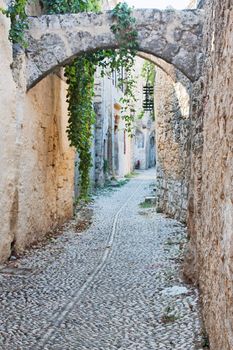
80, 74
16, 11
148, 72
80, 93
127, 38
70, 6
80, 79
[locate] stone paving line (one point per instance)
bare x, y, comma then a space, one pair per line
58, 318
115, 286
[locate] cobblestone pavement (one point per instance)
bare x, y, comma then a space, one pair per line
115, 286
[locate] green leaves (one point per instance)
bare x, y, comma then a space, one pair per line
148, 72
80, 92
80, 74
16, 12
126, 34
124, 28
80, 77
71, 6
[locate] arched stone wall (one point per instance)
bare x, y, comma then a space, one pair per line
55, 40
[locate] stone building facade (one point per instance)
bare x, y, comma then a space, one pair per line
172, 100
112, 145
37, 167
211, 186
115, 152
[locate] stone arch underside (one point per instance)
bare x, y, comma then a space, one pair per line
55, 40
169, 69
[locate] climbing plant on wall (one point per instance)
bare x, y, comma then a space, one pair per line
80, 78
127, 38
80, 74
71, 6
80, 92
16, 11
148, 72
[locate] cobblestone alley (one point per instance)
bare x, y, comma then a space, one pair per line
116, 285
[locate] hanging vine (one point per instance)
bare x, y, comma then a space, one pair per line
16, 11
71, 6
80, 93
126, 35
80, 74
149, 72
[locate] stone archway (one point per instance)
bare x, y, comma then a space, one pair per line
55, 40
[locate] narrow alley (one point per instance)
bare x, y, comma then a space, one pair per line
94, 256
116, 285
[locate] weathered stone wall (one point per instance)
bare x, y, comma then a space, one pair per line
103, 104
211, 195
8, 154
46, 163
172, 98
36, 181
174, 36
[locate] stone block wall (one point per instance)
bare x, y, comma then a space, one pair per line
8, 153
103, 109
46, 165
211, 192
172, 98
36, 182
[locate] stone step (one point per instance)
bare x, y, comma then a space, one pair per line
151, 200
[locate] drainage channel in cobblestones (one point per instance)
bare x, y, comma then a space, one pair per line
115, 286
